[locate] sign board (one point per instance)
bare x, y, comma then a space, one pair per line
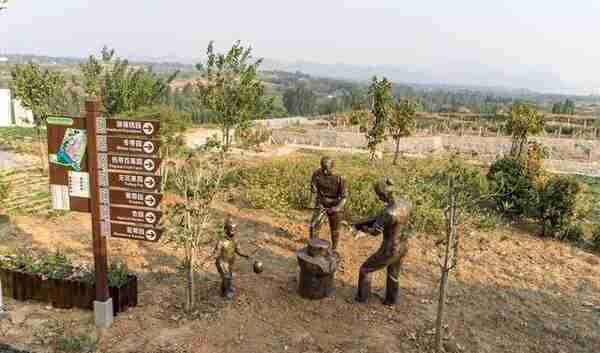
132, 127
132, 163
135, 146
126, 231
79, 184
68, 165
134, 198
135, 215
59, 120
149, 183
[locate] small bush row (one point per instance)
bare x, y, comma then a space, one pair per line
57, 266
555, 202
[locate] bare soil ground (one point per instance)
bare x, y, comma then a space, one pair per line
513, 292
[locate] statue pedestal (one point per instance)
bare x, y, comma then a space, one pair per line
317, 270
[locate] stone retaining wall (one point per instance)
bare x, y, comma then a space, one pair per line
558, 148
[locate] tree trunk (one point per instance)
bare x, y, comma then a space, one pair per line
445, 268
190, 285
440, 312
43, 149
397, 152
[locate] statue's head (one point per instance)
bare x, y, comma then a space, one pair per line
383, 189
230, 228
327, 165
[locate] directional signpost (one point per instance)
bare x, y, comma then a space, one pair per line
110, 168
129, 177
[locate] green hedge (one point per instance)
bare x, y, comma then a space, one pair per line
283, 184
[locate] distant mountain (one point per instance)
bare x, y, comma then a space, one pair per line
463, 75
474, 76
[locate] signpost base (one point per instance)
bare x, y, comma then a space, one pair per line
103, 313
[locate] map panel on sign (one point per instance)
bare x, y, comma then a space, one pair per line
133, 146
132, 127
150, 183
135, 198
135, 232
134, 215
135, 164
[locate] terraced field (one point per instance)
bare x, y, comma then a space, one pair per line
27, 191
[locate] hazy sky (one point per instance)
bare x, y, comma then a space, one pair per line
561, 37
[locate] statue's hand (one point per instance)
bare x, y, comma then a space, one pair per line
356, 233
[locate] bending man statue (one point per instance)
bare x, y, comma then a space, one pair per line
391, 222
330, 200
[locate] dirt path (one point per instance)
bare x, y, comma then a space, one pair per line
513, 293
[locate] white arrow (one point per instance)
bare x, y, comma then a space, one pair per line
151, 234
149, 165
148, 147
150, 217
148, 128
149, 182
150, 201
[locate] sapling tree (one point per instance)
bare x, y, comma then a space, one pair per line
465, 189
380, 93
524, 121
402, 122
120, 87
37, 89
230, 88
195, 183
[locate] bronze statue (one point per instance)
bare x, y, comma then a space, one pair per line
330, 190
226, 251
394, 247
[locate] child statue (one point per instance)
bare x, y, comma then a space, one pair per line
226, 251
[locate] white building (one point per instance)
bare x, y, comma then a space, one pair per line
12, 113
5, 108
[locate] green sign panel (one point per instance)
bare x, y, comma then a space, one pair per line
59, 120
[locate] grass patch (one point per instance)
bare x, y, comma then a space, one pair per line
283, 185
20, 139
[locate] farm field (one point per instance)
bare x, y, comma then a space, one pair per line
513, 291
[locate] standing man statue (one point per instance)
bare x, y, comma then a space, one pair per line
391, 222
330, 190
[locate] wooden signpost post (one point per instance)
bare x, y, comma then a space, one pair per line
110, 168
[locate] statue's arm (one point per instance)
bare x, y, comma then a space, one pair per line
373, 226
343, 195
366, 225
237, 251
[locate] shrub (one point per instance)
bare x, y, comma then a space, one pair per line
117, 274
557, 204
571, 232
55, 266
253, 137
284, 184
514, 191
173, 124
596, 237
